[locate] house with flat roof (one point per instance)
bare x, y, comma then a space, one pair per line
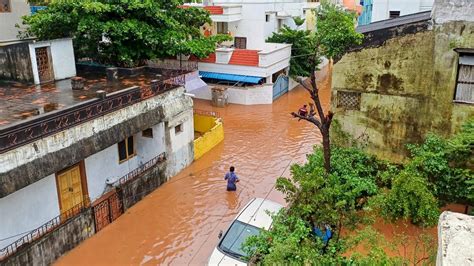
247, 68
76, 152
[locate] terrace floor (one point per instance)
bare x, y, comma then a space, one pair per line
19, 101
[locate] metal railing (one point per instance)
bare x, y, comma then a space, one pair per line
104, 212
207, 113
141, 169
43, 229
48, 124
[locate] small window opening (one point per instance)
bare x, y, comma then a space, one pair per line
267, 18
178, 129
394, 14
147, 133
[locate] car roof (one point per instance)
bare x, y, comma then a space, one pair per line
254, 213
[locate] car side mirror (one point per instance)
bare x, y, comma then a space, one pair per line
220, 234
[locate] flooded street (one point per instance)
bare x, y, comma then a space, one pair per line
179, 222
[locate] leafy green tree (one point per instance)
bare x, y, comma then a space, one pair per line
124, 32
319, 200
411, 198
303, 43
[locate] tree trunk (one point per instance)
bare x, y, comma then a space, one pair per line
326, 150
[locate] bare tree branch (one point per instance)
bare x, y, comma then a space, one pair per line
308, 118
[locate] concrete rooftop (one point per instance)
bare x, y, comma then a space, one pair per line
19, 102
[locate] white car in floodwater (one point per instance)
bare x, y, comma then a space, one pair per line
249, 222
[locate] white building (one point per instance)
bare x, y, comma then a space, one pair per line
252, 70
72, 142
11, 12
386, 9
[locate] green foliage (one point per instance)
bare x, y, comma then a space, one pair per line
318, 199
298, 21
410, 198
303, 43
447, 164
335, 30
124, 32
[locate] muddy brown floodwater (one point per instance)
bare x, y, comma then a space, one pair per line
179, 222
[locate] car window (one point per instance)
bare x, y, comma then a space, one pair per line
232, 242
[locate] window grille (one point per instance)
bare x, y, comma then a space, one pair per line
465, 82
348, 100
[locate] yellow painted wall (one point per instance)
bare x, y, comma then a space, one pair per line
213, 133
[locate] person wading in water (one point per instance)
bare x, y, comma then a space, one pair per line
232, 179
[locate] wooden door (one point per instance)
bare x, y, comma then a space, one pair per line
43, 63
70, 188
240, 42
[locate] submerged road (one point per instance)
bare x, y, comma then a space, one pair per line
179, 222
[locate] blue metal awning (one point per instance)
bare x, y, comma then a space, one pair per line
230, 77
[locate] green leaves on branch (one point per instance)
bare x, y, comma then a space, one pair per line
124, 32
335, 30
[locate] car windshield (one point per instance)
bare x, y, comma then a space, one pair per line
235, 237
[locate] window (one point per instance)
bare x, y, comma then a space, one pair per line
465, 80
178, 129
147, 133
240, 42
233, 240
222, 28
126, 149
348, 100
394, 14
267, 18
5, 6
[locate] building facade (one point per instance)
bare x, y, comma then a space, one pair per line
75, 153
11, 12
388, 9
411, 76
365, 16
249, 69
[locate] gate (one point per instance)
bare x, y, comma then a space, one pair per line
107, 211
280, 87
43, 63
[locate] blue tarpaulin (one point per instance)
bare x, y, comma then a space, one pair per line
230, 77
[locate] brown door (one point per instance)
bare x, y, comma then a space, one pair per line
240, 42
70, 188
43, 63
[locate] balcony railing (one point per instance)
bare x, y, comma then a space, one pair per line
43, 229
141, 169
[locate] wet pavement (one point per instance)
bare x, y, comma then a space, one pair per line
179, 222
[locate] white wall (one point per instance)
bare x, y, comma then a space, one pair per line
381, 8
62, 57
253, 25
8, 31
28, 208
105, 164
178, 151
252, 95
